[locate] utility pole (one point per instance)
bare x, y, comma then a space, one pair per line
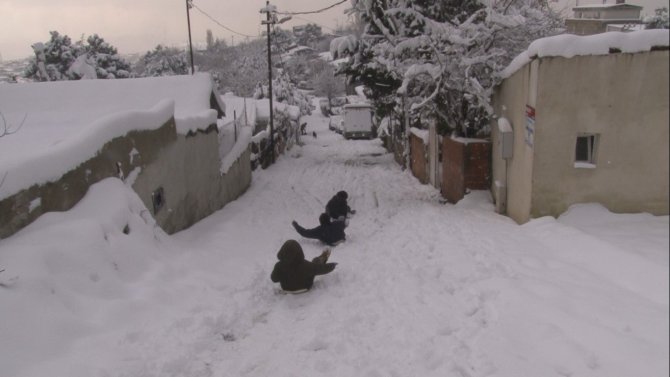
270, 11
188, 20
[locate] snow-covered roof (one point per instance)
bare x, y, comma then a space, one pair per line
606, 6
67, 122
569, 45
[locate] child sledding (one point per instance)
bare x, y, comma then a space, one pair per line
337, 207
292, 271
295, 274
330, 232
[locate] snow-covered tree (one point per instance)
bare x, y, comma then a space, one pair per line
326, 84
659, 20
440, 60
163, 61
310, 35
237, 69
59, 54
109, 64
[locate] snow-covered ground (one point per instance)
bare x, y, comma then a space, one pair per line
422, 288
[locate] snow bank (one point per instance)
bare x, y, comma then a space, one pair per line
421, 134
568, 46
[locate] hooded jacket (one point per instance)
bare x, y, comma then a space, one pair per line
328, 232
293, 272
337, 206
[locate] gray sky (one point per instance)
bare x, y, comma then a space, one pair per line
139, 25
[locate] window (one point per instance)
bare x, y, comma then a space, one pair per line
158, 199
585, 150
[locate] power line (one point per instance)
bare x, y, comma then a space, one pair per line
317, 23
220, 24
315, 11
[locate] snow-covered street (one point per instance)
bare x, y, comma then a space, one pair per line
422, 288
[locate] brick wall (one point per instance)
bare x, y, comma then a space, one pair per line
418, 158
465, 166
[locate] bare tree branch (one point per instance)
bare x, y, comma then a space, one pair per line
5, 129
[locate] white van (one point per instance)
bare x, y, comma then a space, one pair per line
358, 121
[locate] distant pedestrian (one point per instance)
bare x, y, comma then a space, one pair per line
314, 134
337, 207
294, 273
329, 232
303, 130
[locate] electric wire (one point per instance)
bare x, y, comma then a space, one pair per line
315, 11
220, 24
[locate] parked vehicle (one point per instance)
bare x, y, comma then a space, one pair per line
358, 121
336, 123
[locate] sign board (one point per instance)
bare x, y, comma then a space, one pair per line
530, 125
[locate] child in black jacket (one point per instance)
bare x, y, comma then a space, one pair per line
337, 207
329, 232
293, 272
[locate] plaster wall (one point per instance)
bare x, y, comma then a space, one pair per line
624, 99
515, 174
188, 171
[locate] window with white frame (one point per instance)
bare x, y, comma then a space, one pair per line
585, 150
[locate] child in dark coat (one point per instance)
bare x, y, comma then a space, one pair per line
293, 272
329, 232
337, 207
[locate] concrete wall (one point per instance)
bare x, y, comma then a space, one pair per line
188, 171
621, 97
515, 175
187, 167
113, 160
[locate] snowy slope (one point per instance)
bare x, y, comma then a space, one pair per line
422, 288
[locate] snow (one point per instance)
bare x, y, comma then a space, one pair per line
504, 125
568, 46
421, 288
67, 122
421, 134
584, 165
238, 148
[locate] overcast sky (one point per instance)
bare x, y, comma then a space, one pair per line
139, 25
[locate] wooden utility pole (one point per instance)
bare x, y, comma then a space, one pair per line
269, 11
188, 20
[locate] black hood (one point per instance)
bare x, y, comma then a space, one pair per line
291, 252
324, 219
